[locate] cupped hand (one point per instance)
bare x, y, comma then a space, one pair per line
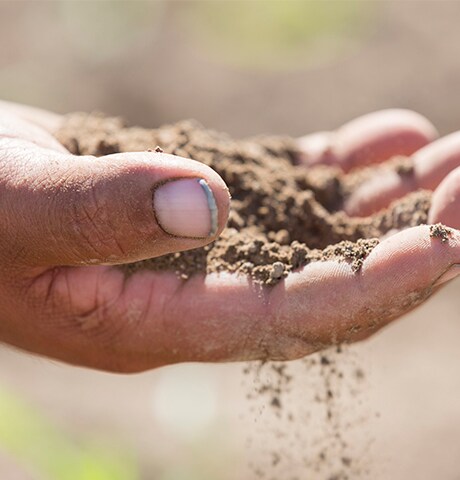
66, 220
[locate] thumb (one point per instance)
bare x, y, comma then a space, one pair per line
61, 209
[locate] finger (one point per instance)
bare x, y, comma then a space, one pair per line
445, 206
44, 119
60, 209
13, 128
151, 319
369, 139
429, 166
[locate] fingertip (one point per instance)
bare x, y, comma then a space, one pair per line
315, 149
378, 136
446, 201
221, 197
376, 193
412, 120
187, 207
213, 187
433, 162
183, 188
45, 119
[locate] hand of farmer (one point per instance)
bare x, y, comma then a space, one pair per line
67, 219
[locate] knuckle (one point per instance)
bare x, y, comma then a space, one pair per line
93, 332
88, 218
110, 329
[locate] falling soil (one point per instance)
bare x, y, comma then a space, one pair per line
311, 419
283, 216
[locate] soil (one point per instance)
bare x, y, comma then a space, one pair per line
440, 231
300, 406
283, 216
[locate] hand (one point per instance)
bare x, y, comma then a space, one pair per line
67, 219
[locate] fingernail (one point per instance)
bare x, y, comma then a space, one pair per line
186, 208
452, 272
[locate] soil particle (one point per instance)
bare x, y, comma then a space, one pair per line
404, 166
440, 231
283, 216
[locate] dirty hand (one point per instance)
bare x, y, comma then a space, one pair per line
67, 219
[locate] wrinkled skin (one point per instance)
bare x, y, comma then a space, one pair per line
66, 220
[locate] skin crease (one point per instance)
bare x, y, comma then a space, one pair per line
66, 220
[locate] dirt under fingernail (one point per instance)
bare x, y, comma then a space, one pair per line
283, 216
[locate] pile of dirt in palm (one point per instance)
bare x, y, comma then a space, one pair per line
283, 216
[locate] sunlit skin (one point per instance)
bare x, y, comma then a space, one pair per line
67, 220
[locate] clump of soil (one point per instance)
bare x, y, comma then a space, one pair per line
283, 216
440, 231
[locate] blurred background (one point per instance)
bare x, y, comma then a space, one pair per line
244, 67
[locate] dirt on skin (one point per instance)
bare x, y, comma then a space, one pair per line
440, 231
283, 216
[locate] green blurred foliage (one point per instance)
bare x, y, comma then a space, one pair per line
264, 33
30, 439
